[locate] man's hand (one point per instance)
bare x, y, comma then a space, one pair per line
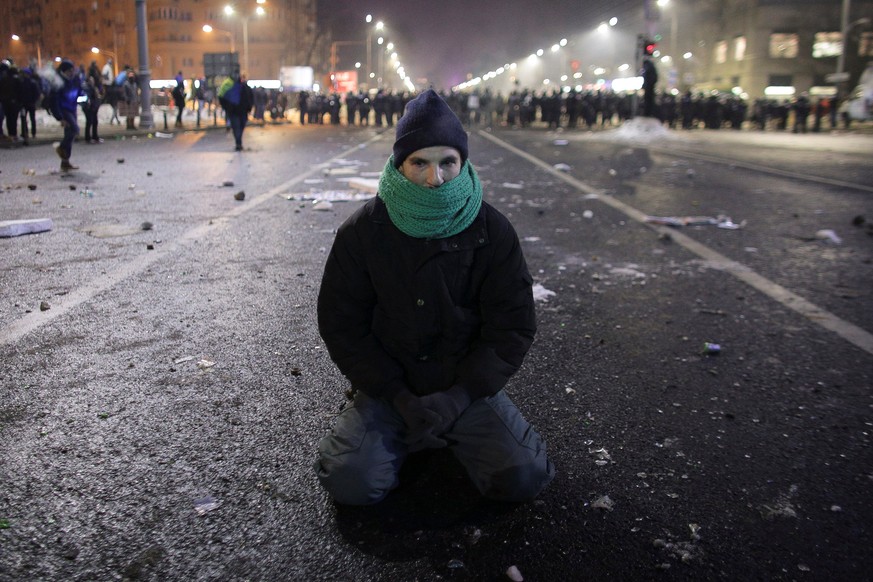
420, 422
448, 406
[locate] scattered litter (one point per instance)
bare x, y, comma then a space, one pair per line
561, 142
131, 186
677, 221
455, 564
29, 172
627, 272
227, 183
781, 507
31, 186
514, 574
87, 193
365, 184
313, 181
711, 349
512, 186
829, 236
330, 196
205, 364
10, 228
323, 205
146, 225
183, 359
603, 456
241, 195
148, 173
206, 504
540, 293
164, 135
531, 239
120, 160
44, 306
604, 503
562, 167
588, 214
339, 171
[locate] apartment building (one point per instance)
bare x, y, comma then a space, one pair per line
265, 34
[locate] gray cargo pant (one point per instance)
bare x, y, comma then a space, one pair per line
360, 459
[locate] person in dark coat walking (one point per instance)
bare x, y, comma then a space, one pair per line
68, 87
237, 99
426, 307
93, 88
31, 95
179, 98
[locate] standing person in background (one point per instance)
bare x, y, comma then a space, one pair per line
31, 94
131, 98
93, 89
426, 307
11, 90
179, 98
67, 87
236, 98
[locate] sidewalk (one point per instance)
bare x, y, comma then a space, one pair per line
49, 130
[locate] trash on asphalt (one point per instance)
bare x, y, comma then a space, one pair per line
241, 195
364, 184
603, 456
206, 504
183, 359
227, 183
10, 228
514, 574
146, 225
711, 349
540, 293
562, 167
829, 236
455, 564
512, 186
604, 503
561, 142
120, 160
323, 205
205, 364
164, 135
588, 214
44, 306
329, 196
720, 221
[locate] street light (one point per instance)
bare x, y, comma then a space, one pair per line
259, 11
97, 51
378, 26
210, 28
15, 37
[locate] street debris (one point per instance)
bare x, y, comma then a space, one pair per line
561, 142
227, 183
540, 293
10, 228
562, 167
721, 221
146, 225
604, 503
588, 214
829, 236
206, 504
514, 574
205, 364
44, 306
120, 160
164, 135
781, 506
183, 359
531, 239
512, 186
329, 196
603, 456
455, 564
364, 184
323, 205
241, 195
711, 349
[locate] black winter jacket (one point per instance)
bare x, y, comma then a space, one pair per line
397, 311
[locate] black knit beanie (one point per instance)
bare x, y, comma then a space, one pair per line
428, 121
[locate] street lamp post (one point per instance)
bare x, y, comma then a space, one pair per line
259, 11
38, 50
209, 28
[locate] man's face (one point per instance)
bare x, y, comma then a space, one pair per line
432, 167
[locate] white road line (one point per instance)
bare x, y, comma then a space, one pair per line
848, 331
36, 319
763, 169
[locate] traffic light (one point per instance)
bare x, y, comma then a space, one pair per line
649, 47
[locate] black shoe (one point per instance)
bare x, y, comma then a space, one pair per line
239, 148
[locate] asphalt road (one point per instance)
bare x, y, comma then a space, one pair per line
163, 385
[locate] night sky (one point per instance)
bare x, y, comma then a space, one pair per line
443, 40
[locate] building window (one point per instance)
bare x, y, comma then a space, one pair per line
865, 44
780, 81
739, 48
721, 49
783, 45
827, 44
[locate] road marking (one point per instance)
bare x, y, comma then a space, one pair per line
36, 319
848, 331
763, 169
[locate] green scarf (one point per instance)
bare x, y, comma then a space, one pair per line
431, 213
